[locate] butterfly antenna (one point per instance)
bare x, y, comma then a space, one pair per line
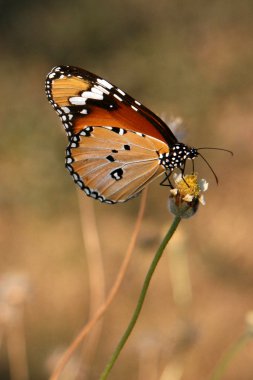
213, 148
224, 150
210, 167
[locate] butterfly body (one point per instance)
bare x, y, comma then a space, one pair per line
116, 145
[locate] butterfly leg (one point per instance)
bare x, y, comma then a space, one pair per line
183, 172
167, 179
193, 166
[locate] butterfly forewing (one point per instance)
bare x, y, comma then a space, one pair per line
82, 99
112, 164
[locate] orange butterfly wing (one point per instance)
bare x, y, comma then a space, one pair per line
83, 99
112, 164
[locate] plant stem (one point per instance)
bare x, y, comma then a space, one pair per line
141, 299
229, 356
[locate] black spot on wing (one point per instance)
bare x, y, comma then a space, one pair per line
117, 174
110, 158
119, 131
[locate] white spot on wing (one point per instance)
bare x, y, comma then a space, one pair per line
102, 89
121, 92
65, 109
104, 83
92, 95
77, 100
96, 90
117, 97
134, 108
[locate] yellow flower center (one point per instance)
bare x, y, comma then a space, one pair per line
188, 186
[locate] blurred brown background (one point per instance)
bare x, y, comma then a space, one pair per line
183, 59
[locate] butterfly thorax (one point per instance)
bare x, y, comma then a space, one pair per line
177, 156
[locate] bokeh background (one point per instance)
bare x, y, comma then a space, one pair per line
191, 60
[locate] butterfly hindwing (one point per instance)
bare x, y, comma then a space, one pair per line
113, 164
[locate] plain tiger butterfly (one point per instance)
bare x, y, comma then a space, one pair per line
116, 145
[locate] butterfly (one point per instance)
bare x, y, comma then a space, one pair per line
116, 146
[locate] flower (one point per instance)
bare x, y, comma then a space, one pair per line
186, 195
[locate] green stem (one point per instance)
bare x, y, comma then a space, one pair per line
229, 355
141, 299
